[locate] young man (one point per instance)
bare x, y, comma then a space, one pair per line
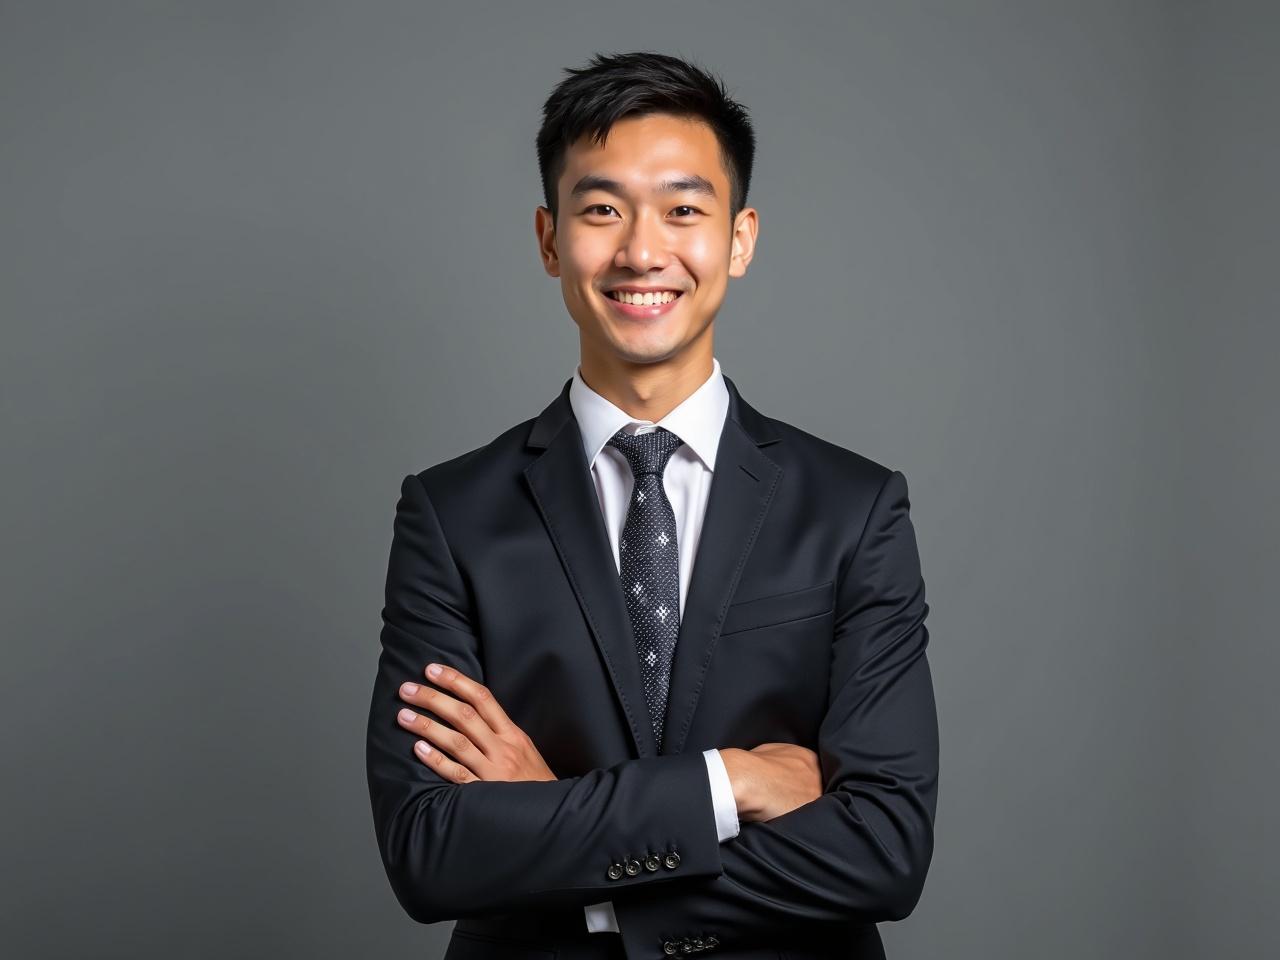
685, 704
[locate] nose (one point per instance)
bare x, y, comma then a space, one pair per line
643, 245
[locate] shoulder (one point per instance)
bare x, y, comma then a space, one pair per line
496, 461
477, 488
821, 461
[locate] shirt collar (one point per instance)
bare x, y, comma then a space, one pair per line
698, 420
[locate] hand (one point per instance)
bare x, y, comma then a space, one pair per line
483, 741
772, 778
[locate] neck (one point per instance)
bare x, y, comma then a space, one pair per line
647, 391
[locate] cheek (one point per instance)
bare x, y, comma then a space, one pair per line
583, 256
705, 257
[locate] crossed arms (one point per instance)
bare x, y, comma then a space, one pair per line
857, 854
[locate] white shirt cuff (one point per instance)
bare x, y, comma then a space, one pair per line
726, 807
601, 918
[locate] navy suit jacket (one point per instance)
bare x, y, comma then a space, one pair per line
804, 623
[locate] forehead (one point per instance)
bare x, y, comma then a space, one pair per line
643, 153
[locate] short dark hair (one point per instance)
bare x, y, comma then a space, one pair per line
591, 99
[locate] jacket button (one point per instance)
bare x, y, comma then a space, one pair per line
615, 871
698, 943
668, 948
633, 867
686, 947
652, 862
671, 860
712, 942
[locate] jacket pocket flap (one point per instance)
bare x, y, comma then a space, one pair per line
779, 608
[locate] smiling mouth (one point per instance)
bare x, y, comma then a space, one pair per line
643, 299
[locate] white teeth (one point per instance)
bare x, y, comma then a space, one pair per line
644, 299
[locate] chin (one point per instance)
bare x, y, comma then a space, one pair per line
646, 352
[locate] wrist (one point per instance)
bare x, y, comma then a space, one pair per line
737, 764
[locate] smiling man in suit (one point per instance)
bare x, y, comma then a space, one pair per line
653, 675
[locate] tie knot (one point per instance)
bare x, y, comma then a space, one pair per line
646, 452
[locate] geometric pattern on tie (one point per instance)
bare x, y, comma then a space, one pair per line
649, 564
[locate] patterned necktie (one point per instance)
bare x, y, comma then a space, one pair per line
649, 564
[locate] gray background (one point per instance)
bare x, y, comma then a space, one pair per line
261, 260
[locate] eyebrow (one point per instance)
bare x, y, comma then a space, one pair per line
691, 183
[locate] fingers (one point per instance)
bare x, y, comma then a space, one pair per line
475, 695
472, 734
449, 769
444, 738
458, 714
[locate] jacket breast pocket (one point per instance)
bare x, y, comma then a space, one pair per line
779, 608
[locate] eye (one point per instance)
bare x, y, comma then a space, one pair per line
598, 206
684, 206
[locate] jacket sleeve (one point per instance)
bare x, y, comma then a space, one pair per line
600, 917
858, 854
455, 850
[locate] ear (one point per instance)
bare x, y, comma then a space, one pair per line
745, 228
545, 228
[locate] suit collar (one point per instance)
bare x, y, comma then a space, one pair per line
742, 488
697, 420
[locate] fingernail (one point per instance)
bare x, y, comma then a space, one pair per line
434, 670
423, 747
409, 689
407, 716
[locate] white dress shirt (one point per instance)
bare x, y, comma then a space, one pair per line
697, 421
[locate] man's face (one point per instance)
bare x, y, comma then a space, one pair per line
647, 210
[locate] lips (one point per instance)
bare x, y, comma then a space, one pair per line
636, 292
639, 311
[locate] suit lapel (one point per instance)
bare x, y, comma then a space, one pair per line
742, 487
564, 490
